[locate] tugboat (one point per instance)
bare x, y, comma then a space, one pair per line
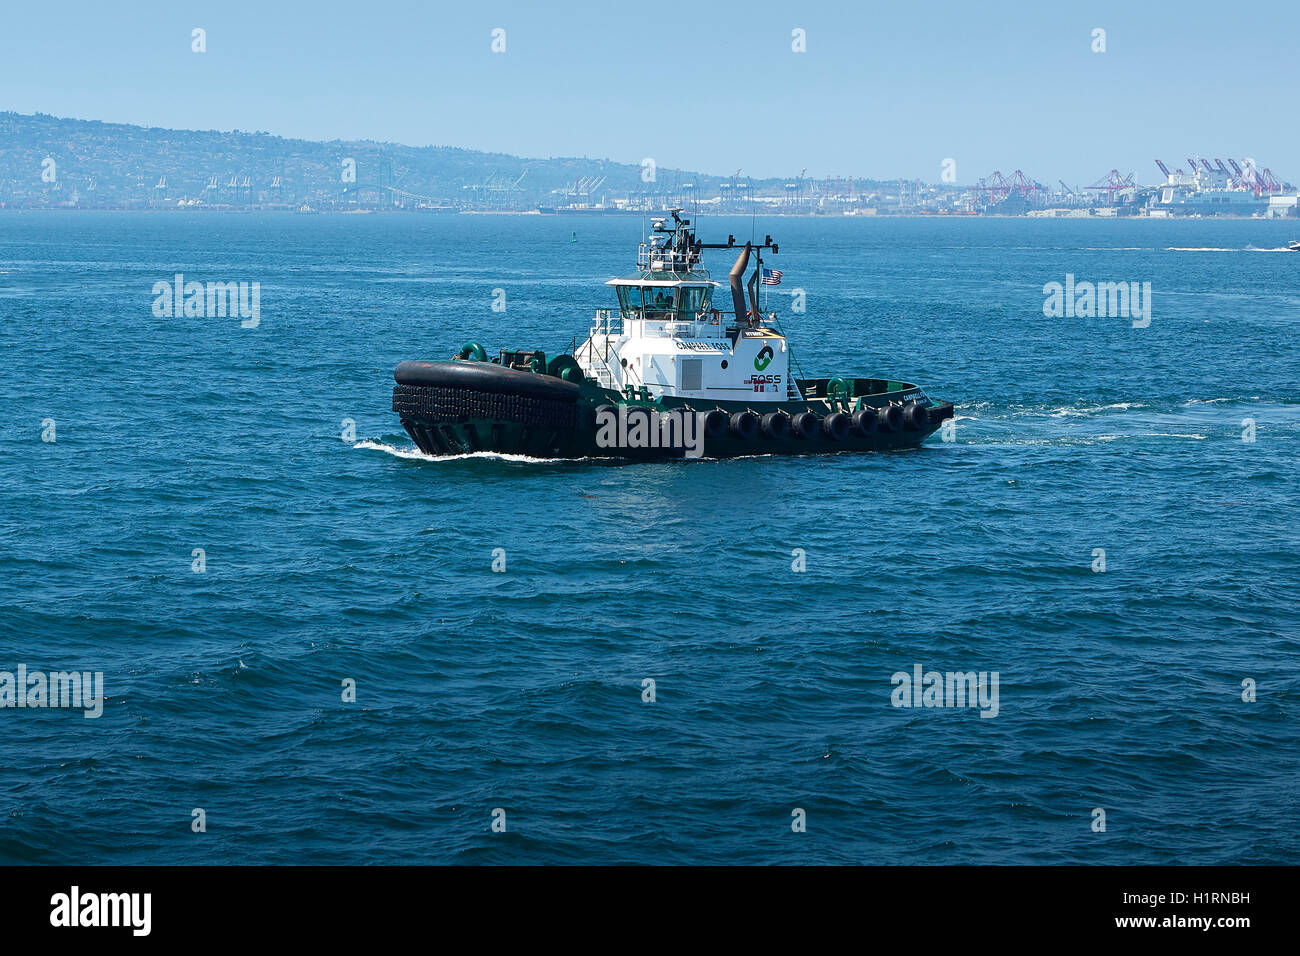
665, 375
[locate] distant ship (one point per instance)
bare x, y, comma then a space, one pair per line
1217, 190
1213, 202
599, 210
1294, 245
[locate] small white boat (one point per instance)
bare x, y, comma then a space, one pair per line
1294, 245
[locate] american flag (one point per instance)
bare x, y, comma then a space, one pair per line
771, 277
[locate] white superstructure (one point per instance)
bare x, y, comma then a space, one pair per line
667, 339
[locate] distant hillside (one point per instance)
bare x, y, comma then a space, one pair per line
49, 161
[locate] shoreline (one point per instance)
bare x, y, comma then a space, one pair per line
525, 213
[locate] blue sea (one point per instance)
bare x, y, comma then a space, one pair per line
205, 530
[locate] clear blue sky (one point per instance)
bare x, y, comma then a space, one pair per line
884, 89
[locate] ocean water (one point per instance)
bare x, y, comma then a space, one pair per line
331, 560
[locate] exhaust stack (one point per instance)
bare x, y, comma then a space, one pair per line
737, 277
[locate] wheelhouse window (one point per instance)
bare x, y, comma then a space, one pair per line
663, 303
629, 300
693, 301
660, 303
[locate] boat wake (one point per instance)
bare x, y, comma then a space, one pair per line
994, 440
416, 455
1197, 419
1086, 410
998, 410
1220, 401
1222, 249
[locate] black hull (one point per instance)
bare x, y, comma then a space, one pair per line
463, 407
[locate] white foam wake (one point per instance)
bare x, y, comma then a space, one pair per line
1067, 412
1221, 249
417, 455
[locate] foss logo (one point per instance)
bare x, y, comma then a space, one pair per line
764, 358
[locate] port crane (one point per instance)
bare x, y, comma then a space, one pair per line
1112, 184
1263, 181
1000, 187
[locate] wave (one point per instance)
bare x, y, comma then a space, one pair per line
1069, 411
1092, 439
993, 410
1219, 401
1051, 411
1072, 440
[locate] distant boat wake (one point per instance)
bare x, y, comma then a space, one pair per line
1221, 249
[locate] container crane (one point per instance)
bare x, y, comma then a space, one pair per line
1113, 183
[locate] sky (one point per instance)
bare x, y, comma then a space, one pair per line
881, 90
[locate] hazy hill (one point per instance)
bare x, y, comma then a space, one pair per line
115, 164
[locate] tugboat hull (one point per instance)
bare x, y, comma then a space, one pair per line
462, 407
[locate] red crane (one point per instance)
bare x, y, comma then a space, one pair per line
1113, 182
1024, 186
1000, 187
1265, 182
997, 186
